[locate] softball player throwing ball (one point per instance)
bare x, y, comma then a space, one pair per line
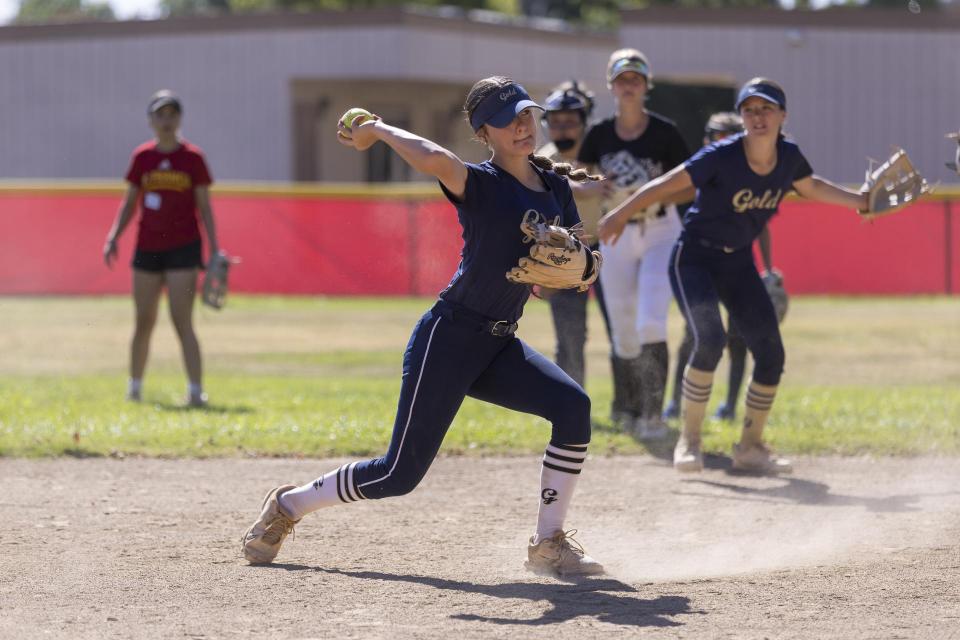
169, 179
465, 344
630, 149
740, 182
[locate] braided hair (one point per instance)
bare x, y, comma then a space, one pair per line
563, 169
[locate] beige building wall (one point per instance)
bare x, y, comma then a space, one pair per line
857, 81
262, 93
74, 96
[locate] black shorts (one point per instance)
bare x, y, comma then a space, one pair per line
185, 257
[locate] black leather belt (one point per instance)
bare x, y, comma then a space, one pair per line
712, 245
483, 324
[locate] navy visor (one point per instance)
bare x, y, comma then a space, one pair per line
763, 90
500, 108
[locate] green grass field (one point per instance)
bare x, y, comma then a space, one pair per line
319, 377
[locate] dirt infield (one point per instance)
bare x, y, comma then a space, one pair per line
846, 548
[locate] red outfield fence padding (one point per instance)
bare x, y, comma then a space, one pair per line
357, 241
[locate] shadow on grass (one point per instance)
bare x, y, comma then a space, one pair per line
76, 452
210, 408
810, 492
599, 598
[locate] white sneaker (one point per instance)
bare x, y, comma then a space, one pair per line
687, 457
759, 458
561, 555
261, 542
650, 429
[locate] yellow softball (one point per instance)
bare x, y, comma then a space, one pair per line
351, 116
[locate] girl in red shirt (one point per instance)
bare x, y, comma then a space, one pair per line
169, 179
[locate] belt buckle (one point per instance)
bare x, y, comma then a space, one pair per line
499, 332
728, 249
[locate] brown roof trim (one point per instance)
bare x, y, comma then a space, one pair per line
473, 21
832, 18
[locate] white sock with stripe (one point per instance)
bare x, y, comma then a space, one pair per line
333, 488
558, 478
697, 385
759, 402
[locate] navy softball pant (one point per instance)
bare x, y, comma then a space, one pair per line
451, 356
702, 276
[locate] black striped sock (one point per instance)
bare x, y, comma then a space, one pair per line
347, 489
568, 458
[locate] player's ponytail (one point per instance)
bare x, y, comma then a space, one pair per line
562, 169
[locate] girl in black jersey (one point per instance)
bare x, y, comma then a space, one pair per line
740, 182
630, 149
465, 344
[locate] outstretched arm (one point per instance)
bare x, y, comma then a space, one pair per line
816, 188
124, 215
423, 155
663, 189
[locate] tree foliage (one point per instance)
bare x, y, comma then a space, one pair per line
37, 11
195, 7
602, 13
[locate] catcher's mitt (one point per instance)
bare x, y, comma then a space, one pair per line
558, 259
892, 186
773, 281
215, 280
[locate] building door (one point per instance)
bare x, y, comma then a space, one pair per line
690, 106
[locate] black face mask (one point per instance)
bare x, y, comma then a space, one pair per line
564, 144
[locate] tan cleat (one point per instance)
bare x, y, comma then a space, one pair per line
562, 556
687, 457
759, 458
261, 543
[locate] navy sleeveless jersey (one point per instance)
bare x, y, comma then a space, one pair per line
733, 203
490, 213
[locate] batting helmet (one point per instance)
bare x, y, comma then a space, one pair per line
570, 96
724, 123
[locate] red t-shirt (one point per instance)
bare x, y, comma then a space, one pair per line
168, 208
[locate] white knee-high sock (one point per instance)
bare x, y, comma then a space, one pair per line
558, 478
336, 487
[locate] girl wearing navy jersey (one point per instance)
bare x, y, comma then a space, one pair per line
719, 126
465, 344
739, 183
169, 180
630, 149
